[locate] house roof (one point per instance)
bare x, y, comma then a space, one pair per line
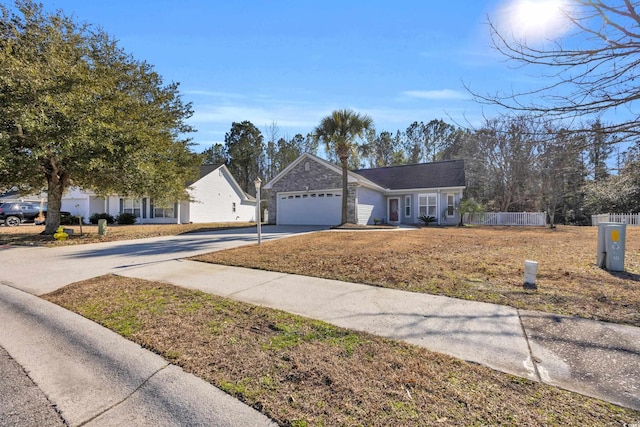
448, 173
204, 171
306, 156
443, 174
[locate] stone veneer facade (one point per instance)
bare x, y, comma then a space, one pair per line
317, 177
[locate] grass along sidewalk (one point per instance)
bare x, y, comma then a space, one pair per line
475, 263
303, 372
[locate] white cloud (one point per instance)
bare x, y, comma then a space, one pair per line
448, 94
290, 117
392, 119
213, 117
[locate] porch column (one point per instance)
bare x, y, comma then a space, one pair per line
438, 211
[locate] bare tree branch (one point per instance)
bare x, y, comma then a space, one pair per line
592, 71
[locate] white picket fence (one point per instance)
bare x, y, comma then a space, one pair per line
629, 219
529, 219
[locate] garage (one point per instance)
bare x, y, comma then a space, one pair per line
310, 208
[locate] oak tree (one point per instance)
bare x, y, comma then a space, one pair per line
77, 110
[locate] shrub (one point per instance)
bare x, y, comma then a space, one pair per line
426, 220
126, 218
69, 220
470, 206
93, 219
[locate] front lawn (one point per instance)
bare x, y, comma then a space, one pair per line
476, 263
303, 372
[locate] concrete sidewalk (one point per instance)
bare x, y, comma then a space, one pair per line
94, 377
597, 359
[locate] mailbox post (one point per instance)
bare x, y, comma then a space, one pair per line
257, 183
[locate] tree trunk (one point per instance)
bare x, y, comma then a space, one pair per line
57, 183
551, 212
345, 185
54, 205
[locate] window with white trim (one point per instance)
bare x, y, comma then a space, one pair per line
450, 204
131, 206
163, 211
407, 206
427, 204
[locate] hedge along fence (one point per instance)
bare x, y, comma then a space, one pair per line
629, 218
528, 219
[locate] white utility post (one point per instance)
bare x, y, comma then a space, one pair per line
257, 183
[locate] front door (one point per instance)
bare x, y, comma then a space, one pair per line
394, 210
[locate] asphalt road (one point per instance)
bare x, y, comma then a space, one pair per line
22, 402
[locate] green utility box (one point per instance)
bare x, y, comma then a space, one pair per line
102, 227
611, 245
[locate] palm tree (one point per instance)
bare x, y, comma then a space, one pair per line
339, 131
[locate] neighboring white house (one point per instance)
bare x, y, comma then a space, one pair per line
215, 197
309, 192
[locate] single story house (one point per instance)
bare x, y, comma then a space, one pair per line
215, 197
309, 192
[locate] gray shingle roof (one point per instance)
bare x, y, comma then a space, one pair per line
204, 171
448, 173
207, 169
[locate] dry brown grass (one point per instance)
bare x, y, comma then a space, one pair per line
478, 263
302, 372
29, 234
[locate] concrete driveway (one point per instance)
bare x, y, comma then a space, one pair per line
40, 270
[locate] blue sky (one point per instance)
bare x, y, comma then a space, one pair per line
293, 62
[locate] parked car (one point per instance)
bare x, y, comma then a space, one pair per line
15, 213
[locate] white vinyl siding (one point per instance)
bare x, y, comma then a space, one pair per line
371, 204
213, 198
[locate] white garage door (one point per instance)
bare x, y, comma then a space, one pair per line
310, 208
